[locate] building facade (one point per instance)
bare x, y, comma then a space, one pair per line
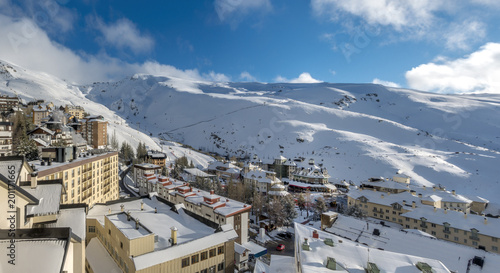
75, 110
95, 131
5, 137
88, 179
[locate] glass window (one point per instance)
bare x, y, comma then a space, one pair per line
185, 262
195, 259
212, 252
220, 250
204, 256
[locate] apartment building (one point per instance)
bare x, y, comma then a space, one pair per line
5, 137
40, 112
146, 235
319, 251
156, 158
87, 178
30, 205
8, 103
413, 211
75, 110
95, 131
208, 207
468, 229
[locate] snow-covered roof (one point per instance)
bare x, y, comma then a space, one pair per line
386, 199
309, 185
388, 184
197, 172
43, 128
281, 264
73, 218
40, 168
34, 255
457, 219
49, 196
155, 154
351, 256
240, 249
151, 223
147, 166
180, 250
455, 257
41, 142
224, 206
216, 165
99, 259
261, 176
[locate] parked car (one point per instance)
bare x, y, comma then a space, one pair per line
280, 247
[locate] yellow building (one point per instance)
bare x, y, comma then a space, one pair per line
30, 205
415, 211
146, 235
88, 179
75, 110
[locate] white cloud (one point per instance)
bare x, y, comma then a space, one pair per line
462, 34
477, 72
395, 13
125, 34
27, 45
216, 77
247, 77
303, 78
385, 83
233, 11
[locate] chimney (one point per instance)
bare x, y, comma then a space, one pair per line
212, 192
404, 202
142, 205
388, 193
419, 195
465, 215
156, 210
34, 180
435, 209
453, 192
173, 235
382, 196
122, 207
413, 193
413, 204
485, 220
136, 223
315, 234
445, 211
128, 215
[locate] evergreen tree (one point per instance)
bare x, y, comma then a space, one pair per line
126, 151
27, 148
276, 212
141, 151
114, 141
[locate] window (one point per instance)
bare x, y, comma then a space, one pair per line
92, 229
494, 248
474, 243
494, 239
433, 232
455, 238
446, 236
109, 231
455, 230
185, 262
195, 259
220, 266
212, 252
220, 250
204, 256
465, 241
433, 225
121, 245
204, 271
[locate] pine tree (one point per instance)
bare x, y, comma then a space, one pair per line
27, 148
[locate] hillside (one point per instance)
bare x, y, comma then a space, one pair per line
355, 130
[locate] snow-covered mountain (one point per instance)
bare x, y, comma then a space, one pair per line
355, 130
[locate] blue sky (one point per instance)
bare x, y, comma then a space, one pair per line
432, 45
